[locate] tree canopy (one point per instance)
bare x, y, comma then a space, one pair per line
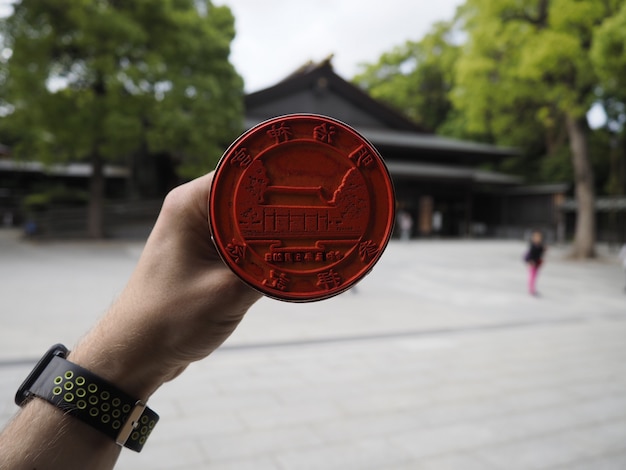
417, 77
101, 80
522, 73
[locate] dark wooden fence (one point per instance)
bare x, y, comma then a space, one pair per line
121, 220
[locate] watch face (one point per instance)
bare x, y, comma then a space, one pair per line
23, 393
301, 207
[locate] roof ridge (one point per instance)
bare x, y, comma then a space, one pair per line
310, 66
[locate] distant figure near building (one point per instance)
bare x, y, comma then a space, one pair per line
437, 222
405, 222
622, 256
534, 259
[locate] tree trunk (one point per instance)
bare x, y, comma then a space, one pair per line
95, 215
585, 234
621, 168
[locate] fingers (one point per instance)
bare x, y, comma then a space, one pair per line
187, 204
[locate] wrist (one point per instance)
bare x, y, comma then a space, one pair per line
137, 374
131, 360
88, 397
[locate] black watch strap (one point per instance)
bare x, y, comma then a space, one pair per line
89, 398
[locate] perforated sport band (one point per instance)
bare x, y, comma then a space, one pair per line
95, 401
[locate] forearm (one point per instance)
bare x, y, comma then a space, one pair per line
179, 305
41, 437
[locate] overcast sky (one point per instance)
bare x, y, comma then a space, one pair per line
275, 37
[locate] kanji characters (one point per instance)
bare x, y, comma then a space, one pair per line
368, 250
241, 158
280, 133
324, 133
328, 279
237, 251
277, 280
362, 157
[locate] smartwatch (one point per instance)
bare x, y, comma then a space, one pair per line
89, 398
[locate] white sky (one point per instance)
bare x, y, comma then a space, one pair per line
275, 37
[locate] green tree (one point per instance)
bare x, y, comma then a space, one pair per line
608, 54
537, 53
419, 78
99, 80
416, 77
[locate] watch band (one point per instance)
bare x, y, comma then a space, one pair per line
89, 398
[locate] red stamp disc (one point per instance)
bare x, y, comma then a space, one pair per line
301, 207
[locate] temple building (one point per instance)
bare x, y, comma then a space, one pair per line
439, 182
441, 186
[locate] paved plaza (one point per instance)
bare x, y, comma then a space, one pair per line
439, 359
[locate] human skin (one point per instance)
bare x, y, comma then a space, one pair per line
180, 304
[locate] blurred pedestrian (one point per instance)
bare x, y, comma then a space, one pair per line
622, 256
534, 259
405, 222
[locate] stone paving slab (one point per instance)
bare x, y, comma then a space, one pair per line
362, 416
440, 360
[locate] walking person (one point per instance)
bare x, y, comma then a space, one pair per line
534, 259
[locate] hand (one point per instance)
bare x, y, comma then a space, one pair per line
180, 304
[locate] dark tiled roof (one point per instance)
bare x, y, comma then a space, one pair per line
397, 135
322, 75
